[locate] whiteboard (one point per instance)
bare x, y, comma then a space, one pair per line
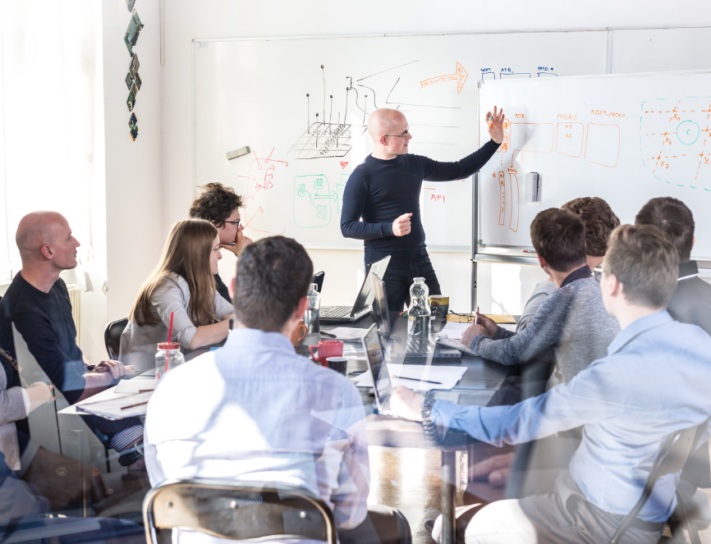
253, 92
626, 139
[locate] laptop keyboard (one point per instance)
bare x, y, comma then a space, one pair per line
336, 311
419, 351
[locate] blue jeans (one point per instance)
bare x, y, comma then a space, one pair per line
401, 271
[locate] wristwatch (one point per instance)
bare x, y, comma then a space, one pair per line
131, 455
428, 424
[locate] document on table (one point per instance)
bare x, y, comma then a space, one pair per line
418, 376
117, 408
456, 344
346, 334
454, 330
139, 384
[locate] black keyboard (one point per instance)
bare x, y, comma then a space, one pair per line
336, 311
419, 351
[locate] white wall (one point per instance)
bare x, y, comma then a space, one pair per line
186, 20
134, 193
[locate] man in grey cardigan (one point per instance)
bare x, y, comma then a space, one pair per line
572, 325
599, 221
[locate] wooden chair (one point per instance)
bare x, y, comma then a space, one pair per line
237, 511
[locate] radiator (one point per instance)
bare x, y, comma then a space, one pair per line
75, 298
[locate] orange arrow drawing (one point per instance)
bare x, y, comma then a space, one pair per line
460, 75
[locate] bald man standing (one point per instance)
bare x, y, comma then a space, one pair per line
37, 303
381, 201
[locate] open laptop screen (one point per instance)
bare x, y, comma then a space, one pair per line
365, 297
376, 363
380, 306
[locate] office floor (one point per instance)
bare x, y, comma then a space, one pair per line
409, 479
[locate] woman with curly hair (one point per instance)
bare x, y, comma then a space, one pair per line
220, 205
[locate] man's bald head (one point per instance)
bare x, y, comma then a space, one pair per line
37, 229
383, 121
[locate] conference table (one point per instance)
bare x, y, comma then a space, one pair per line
484, 383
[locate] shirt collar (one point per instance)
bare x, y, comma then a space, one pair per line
274, 341
634, 329
579, 274
688, 270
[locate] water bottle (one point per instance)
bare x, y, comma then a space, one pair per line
419, 312
312, 313
168, 357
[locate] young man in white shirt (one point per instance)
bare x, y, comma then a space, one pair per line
254, 410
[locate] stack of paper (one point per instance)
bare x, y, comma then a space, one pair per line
418, 376
119, 407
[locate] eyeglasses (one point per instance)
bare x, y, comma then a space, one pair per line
235, 223
403, 135
597, 274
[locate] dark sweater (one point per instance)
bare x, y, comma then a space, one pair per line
222, 288
45, 322
379, 191
691, 301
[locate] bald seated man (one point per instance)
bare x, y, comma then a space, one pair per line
381, 200
37, 303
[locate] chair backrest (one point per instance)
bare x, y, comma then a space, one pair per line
65, 434
237, 511
673, 455
112, 337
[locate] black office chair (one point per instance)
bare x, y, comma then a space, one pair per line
237, 511
672, 458
112, 337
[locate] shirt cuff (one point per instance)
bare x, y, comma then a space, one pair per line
442, 413
26, 400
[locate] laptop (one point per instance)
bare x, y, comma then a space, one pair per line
363, 302
382, 383
381, 315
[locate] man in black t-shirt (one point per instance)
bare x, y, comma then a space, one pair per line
220, 205
381, 200
37, 303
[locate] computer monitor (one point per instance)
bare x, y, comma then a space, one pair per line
381, 314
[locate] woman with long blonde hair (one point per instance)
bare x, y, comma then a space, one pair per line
183, 284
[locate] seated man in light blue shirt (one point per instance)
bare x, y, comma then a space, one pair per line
254, 410
653, 383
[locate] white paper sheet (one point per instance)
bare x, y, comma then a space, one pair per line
410, 376
135, 385
347, 334
454, 330
112, 408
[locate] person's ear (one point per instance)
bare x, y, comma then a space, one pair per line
613, 285
693, 242
383, 140
543, 263
46, 251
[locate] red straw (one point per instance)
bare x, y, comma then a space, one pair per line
170, 336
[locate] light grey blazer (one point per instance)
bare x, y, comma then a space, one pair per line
12, 408
139, 343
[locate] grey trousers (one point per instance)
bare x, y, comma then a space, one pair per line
560, 517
